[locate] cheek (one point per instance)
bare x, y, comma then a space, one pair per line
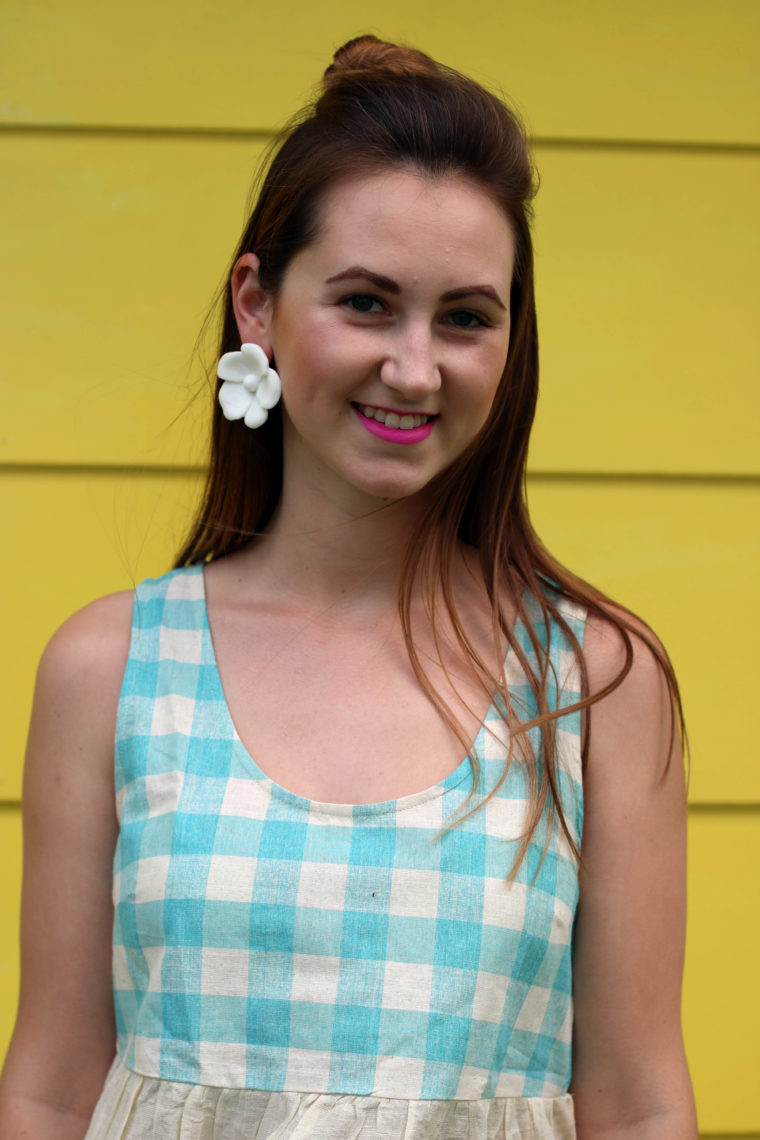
481, 404
480, 391
311, 383
321, 367
497, 367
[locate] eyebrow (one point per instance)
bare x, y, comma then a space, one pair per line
355, 272
358, 271
474, 290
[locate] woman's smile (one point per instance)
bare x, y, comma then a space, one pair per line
395, 427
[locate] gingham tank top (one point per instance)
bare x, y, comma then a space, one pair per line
330, 954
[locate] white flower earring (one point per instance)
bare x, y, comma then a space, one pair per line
250, 386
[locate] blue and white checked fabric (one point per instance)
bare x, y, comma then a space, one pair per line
262, 940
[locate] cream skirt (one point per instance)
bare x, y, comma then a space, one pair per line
133, 1107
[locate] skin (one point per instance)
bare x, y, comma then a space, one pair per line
630, 1076
64, 1038
309, 611
364, 317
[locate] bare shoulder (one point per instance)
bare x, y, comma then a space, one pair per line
605, 651
91, 646
636, 720
68, 773
78, 684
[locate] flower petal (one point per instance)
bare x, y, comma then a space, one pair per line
255, 416
255, 358
234, 399
269, 390
232, 366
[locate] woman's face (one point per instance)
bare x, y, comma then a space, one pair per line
390, 333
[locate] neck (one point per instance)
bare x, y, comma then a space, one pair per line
327, 549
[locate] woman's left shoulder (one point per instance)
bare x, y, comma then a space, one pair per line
636, 719
605, 649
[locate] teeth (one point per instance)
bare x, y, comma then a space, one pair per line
393, 419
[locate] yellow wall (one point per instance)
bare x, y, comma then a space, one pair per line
127, 141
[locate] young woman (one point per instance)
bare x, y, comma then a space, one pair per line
394, 792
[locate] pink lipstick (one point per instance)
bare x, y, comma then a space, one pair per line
395, 435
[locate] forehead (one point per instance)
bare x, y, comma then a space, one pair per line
406, 218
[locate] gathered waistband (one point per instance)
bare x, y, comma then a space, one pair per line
133, 1106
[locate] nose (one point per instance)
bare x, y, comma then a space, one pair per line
411, 367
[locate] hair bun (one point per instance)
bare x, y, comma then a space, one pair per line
367, 55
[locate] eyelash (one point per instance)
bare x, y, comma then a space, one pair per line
481, 322
349, 302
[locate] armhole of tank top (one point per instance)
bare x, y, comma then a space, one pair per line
570, 691
125, 712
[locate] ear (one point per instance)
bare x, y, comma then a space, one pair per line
252, 305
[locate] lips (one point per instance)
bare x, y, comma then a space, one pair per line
395, 427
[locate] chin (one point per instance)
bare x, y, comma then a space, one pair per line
393, 489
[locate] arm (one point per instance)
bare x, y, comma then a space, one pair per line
64, 1039
630, 1078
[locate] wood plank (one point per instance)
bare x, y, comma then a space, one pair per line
721, 1001
648, 290
648, 273
659, 69
682, 555
114, 249
10, 901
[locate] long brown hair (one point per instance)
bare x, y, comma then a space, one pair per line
384, 106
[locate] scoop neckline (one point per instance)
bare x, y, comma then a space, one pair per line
326, 807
